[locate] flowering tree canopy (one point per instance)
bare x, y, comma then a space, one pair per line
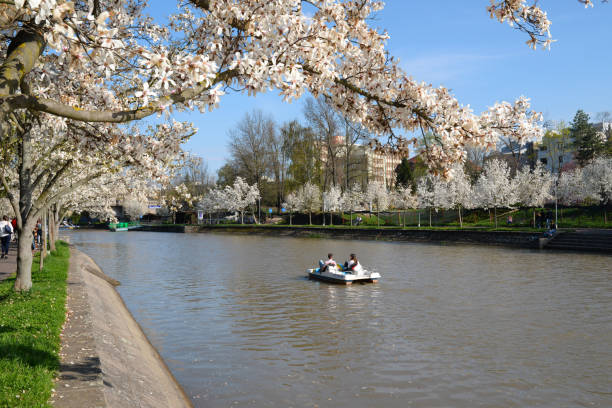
122, 66
495, 188
310, 199
597, 177
533, 187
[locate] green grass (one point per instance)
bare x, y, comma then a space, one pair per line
30, 327
500, 228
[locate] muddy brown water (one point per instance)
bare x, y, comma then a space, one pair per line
447, 326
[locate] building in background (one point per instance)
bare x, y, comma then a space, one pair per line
361, 165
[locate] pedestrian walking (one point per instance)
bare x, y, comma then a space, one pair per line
14, 225
39, 232
6, 231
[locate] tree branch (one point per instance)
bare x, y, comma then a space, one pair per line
59, 109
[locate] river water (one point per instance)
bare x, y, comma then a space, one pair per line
447, 326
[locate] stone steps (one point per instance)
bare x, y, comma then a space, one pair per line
583, 241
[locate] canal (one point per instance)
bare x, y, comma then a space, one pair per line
238, 323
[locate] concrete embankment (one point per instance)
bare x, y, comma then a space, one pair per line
106, 359
505, 238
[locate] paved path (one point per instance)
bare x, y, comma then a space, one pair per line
106, 360
9, 266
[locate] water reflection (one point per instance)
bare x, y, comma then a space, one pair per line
456, 326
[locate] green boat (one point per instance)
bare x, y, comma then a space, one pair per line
118, 227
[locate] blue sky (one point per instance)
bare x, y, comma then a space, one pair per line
455, 44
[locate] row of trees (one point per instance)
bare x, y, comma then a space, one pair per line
277, 158
495, 188
51, 166
233, 198
580, 139
70, 69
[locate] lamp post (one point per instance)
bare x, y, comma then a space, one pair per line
556, 200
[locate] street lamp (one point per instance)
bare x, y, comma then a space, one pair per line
556, 200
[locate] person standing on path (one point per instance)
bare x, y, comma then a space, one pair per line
6, 231
38, 234
14, 225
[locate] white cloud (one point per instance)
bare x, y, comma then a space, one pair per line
441, 68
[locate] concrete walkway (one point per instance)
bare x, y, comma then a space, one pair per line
9, 266
106, 360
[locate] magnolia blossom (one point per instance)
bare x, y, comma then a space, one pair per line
495, 187
332, 201
526, 17
310, 199
67, 158
292, 204
377, 195
240, 195
119, 65
597, 177
352, 200
534, 187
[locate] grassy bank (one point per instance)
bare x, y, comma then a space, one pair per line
502, 228
30, 327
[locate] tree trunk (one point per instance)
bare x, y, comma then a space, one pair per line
43, 242
310, 218
534, 224
378, 218
52, 231
429, 217
241, 217
24, 260
331, 218
290, 217
495, 212
351, 217
460, 219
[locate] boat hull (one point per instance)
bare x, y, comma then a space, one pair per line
342, 279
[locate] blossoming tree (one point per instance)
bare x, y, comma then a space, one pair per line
352, 200
533, 187
240, 195
461, 192
48, 157
310, 199
126, 67
597, 176
495, 187
292, 203
332, 202
377, 195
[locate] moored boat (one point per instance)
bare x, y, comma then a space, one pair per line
336, 275
118, 227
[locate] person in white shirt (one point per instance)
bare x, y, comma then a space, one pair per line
323, 266
353, 265
6, 231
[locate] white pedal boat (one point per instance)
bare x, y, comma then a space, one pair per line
335, 275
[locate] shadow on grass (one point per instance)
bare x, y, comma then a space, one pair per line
29, 356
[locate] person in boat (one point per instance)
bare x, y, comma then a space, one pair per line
325, 265
353, 265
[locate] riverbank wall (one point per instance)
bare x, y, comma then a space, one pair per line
505, 238
106, 359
